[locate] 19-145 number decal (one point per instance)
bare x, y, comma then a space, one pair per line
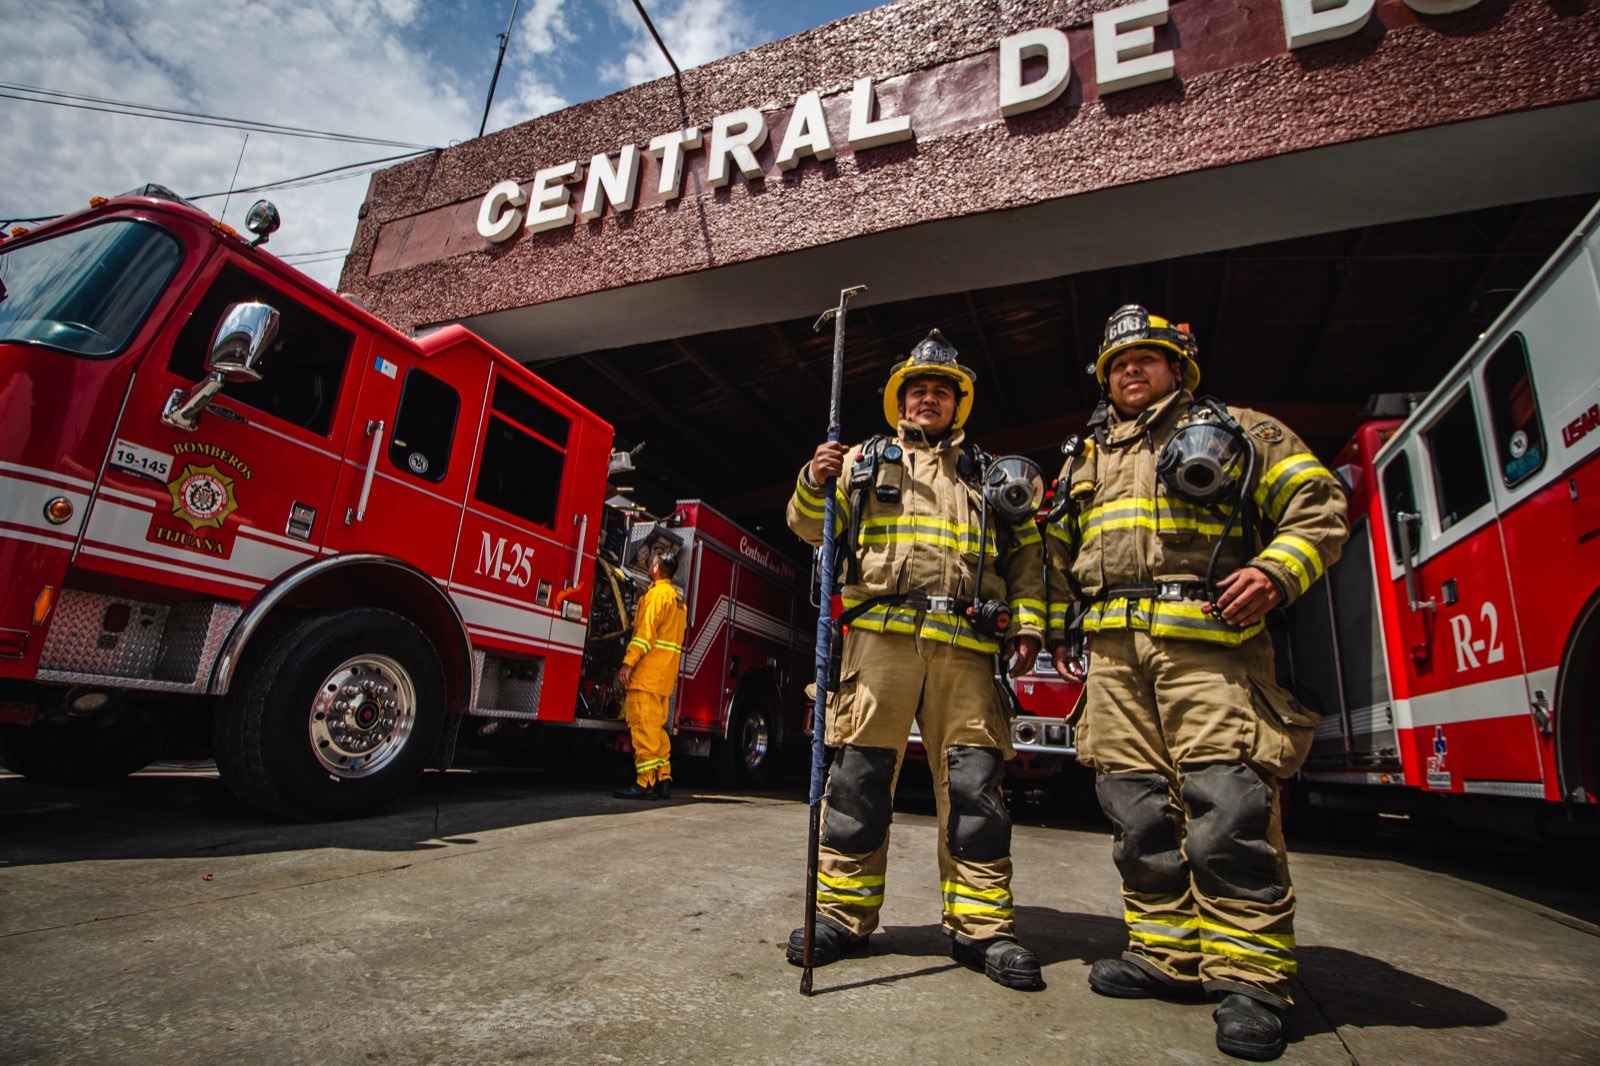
140, 461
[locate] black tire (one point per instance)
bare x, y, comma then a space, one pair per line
304, 734
749, 757
83, 751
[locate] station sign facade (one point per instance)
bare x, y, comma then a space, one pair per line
922, 114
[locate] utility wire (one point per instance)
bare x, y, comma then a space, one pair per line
651, 26
319, 177
196, 118
307, 179
505, 39
293, 259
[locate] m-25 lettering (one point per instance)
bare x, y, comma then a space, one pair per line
513, 566
1468, 649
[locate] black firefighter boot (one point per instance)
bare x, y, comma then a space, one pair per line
1128, 980
829, 943
636, 791
1003, 961
1248, 1028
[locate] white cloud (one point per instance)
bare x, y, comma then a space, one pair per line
544, 28
351, 66
695, 32
545, 33
531, 96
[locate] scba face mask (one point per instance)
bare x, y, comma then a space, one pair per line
1014, 488
1204, 462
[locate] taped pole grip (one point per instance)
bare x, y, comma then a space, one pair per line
819, 747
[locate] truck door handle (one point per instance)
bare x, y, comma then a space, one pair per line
359, 511
577, 558
1403, 527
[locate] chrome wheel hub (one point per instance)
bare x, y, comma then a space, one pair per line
362, 715
756, 741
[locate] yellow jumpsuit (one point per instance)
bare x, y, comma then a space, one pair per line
1182, 717
902, 664
653, 653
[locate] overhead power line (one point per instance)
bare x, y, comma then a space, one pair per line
57, 98
299, 260
320, 177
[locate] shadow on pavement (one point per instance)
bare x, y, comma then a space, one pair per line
1350, 989
1337, 988
186, 811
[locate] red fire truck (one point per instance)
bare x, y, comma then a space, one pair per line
749, 648
237, 508
1455, 648
1039, 731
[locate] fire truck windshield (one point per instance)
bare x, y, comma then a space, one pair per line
86, 291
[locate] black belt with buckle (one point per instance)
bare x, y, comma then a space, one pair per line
1165, 591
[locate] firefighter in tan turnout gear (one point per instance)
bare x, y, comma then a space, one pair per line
1181, 523
922, 646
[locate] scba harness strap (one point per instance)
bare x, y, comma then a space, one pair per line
881, 468
1202, 410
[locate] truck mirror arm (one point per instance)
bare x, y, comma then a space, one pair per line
237, 348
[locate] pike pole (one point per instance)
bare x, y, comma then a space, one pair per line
819, 746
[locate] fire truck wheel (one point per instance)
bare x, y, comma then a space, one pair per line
748, 758
334, 717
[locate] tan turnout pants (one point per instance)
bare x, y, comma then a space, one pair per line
1189, 739
886, 681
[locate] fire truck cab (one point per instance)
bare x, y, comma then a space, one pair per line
235, 505
1455, 648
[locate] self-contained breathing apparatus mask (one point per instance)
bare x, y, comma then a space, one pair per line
1204, 460
1209, 461
1012, 488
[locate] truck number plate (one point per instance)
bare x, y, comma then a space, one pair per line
141, 461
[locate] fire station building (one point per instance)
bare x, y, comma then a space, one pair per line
1337, 195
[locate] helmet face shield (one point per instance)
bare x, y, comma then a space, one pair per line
1014, 488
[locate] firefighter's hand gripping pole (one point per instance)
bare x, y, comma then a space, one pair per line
819, 748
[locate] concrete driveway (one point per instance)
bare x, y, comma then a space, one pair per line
501, 917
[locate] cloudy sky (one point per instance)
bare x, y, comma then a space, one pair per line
414, 73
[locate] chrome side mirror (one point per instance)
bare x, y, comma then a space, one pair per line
237, 348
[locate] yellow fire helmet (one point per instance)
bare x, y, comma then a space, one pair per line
934, 356
1131, 326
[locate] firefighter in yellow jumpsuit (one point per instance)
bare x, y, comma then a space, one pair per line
649, 671
1182, 717
909, 516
